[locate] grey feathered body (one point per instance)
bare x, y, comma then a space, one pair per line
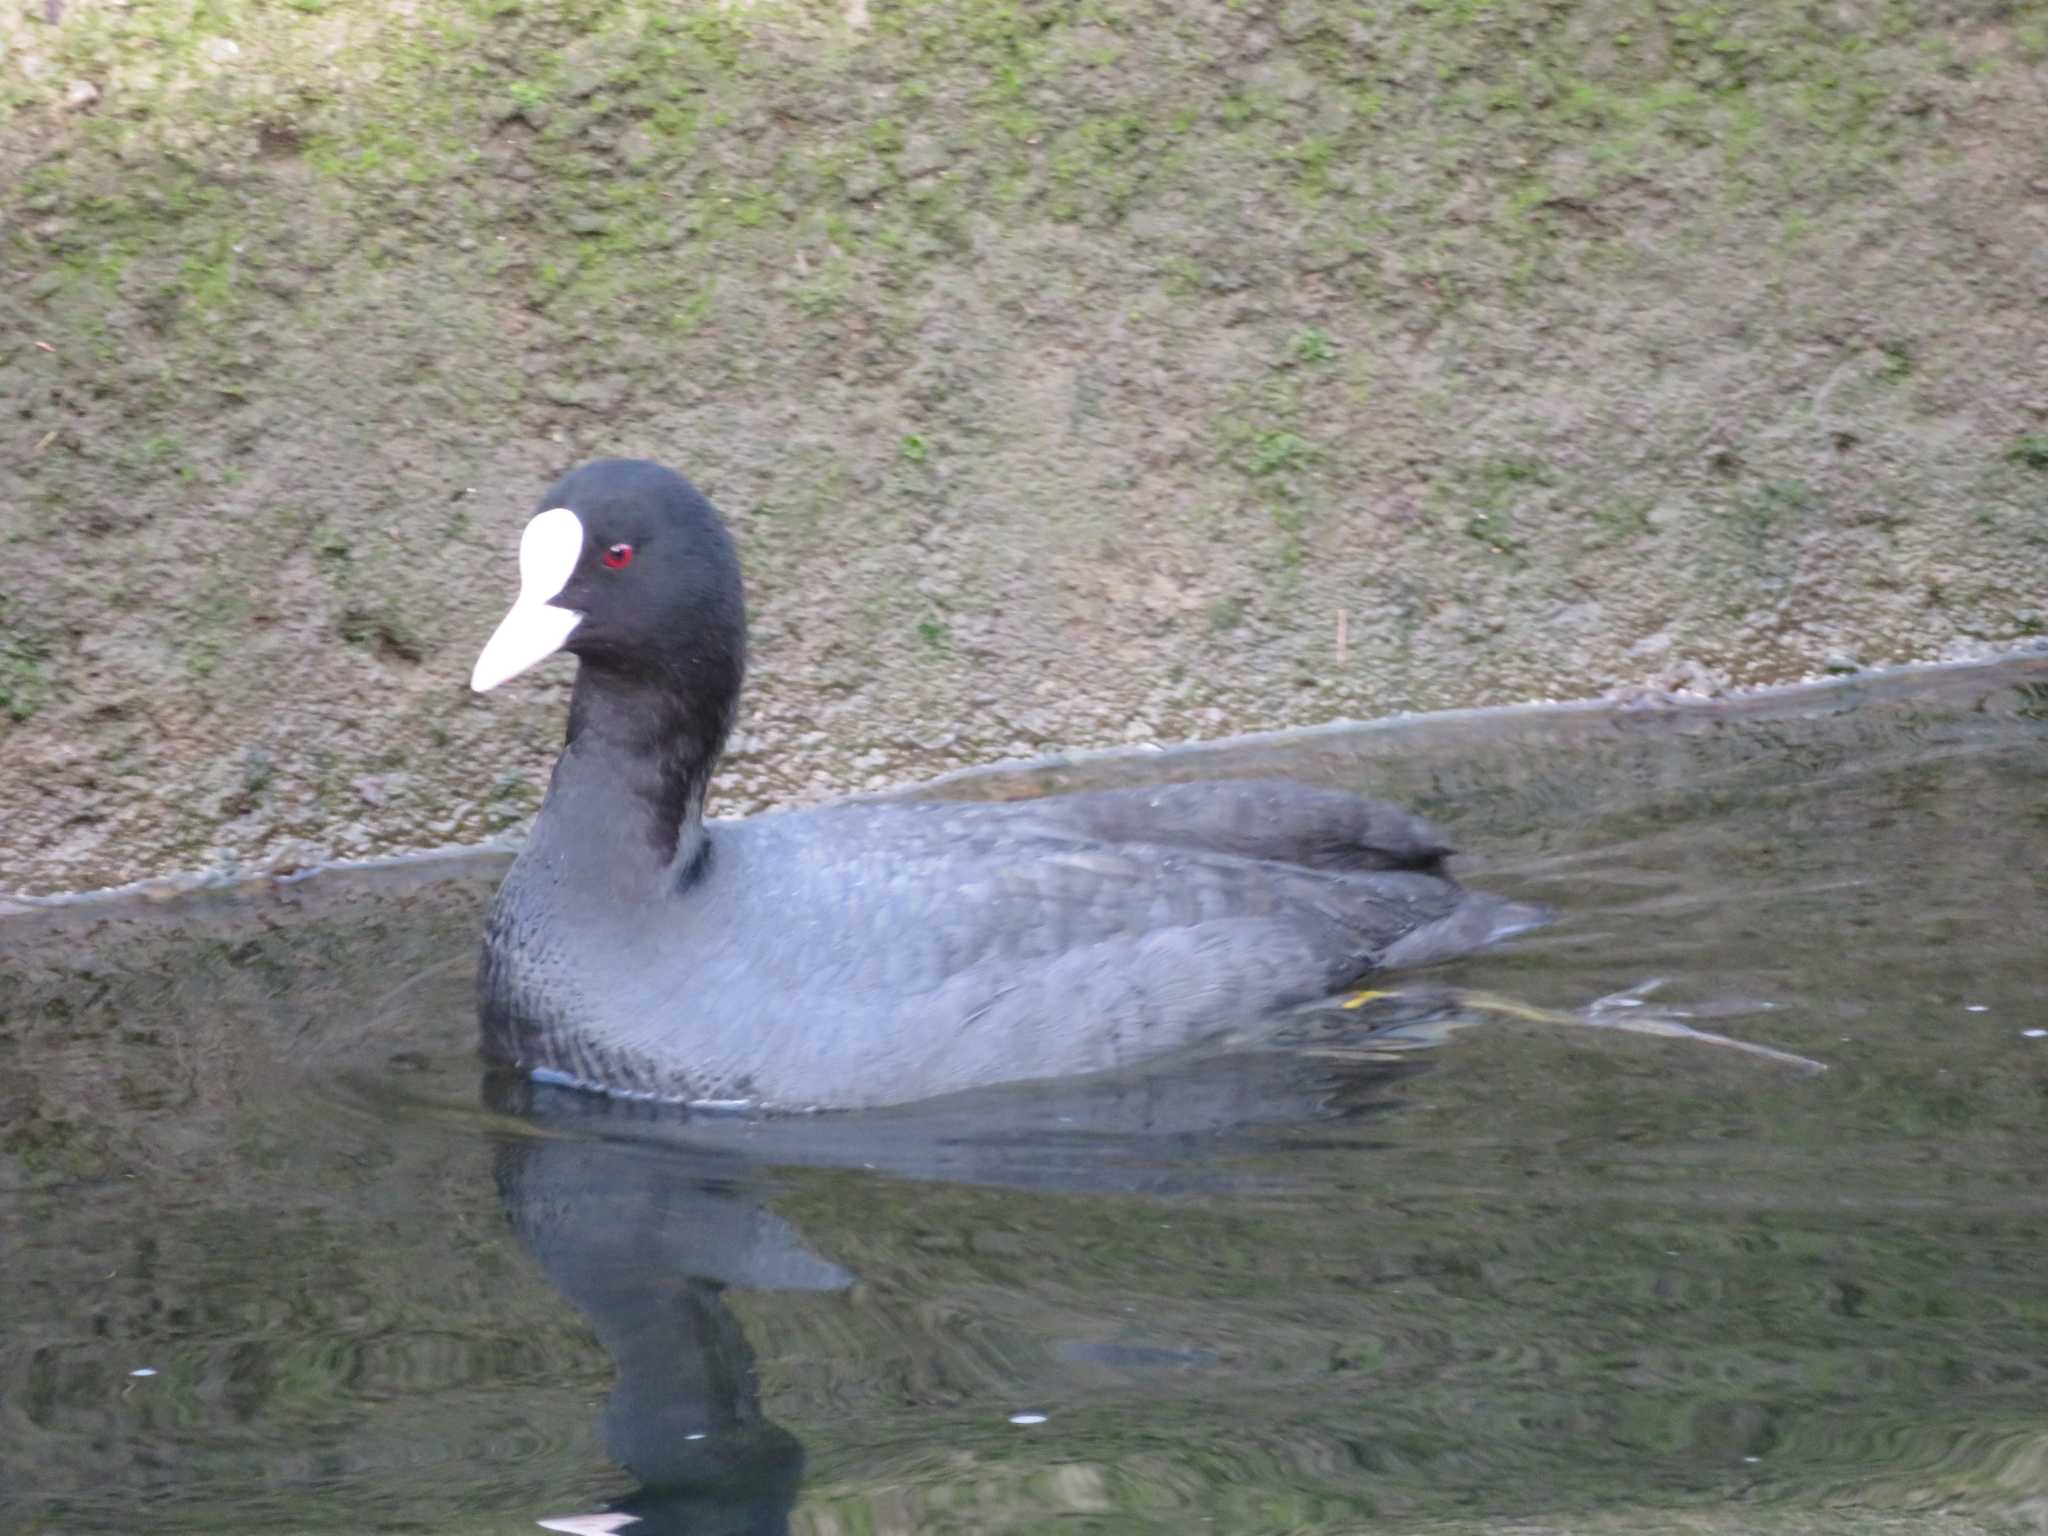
867, 954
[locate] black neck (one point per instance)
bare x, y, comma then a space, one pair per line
670, 744
627, 800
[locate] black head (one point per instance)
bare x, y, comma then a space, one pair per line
626, 566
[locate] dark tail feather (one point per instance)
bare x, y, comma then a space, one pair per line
1477, 921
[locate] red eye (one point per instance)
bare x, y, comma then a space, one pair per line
618, 557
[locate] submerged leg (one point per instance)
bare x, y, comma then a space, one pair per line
1447, 1009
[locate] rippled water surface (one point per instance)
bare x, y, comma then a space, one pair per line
278, 1257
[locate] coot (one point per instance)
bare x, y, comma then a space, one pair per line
876, 953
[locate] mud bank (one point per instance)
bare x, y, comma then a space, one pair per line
1072, 375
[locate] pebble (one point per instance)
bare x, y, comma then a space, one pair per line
294, 853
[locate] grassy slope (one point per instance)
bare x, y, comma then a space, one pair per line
1068, 369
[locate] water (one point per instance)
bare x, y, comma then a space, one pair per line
1520, 1271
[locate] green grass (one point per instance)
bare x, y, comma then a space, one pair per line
24, 684
1311, 345
1075, 113
1276, 451
2029, 452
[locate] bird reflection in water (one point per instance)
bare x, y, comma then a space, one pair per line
643, 1216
